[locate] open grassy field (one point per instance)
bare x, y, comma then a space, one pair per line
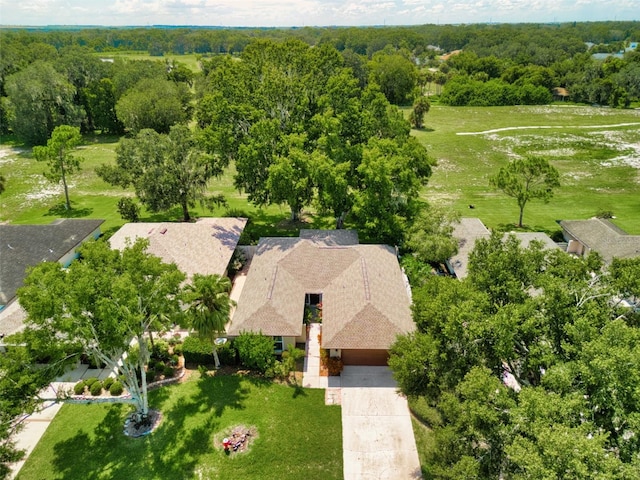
298, 437
190, 60
597, 151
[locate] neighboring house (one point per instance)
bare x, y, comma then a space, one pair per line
466, 231
24, 246
203, 247
358, 291
599, 235
560, 94
469, 230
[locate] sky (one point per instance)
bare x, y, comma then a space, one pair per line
286, 13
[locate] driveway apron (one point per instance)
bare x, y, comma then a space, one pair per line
377, 435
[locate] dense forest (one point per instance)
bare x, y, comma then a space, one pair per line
468, 65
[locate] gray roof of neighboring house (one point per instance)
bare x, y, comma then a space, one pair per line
365, 304
203, 247
526, 238
604, 237
467, 231
23, 246
331, 237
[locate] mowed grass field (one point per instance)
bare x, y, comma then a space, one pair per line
597, 151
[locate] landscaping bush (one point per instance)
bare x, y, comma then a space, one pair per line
168, 372
227, 354
160, 350
255, 351
96, 388
174, 360
178, 349
90, 381
106, 384
197, 351
78, 388
151, 376
116, 389
424, 412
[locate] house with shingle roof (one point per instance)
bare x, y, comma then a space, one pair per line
599, 235
203, 247
359, 289
24, 246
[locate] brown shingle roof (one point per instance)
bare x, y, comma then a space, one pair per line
604, 237
204, 247
364, 299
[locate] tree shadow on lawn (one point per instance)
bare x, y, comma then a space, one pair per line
173, 450
60, 210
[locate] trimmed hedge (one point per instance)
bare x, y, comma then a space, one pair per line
90, 381
96, 388
78, 388
116, 389
197, 351
106, 384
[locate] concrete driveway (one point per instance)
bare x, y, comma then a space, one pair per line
377, 436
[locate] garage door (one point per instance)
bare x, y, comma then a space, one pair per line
365, 357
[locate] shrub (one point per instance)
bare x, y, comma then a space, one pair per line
174, 360
197, 351
106, 384
160, 350
128, 209
78, 388
255, 350
178, 349
96, 388
116, 389
424, 412
167, 372
151, 376
90, 381
227, 354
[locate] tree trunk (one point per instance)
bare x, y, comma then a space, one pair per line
144, 356
185, 211
521, 215
295, 214
216, 360
340, 221
67, 204
151, 339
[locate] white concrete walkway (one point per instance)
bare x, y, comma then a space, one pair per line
311, 373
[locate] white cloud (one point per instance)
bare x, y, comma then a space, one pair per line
308, 12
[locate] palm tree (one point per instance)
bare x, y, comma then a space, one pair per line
208, 306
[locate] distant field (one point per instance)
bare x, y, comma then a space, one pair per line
597, 154
599, 163
190, 60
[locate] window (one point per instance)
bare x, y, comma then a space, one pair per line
278, 344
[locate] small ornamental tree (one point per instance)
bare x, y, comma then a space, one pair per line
58, 155
420, 108
255, 350
101, 303
527, 179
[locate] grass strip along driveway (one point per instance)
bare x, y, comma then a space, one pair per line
298, 437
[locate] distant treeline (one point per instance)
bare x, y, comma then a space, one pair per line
526, 43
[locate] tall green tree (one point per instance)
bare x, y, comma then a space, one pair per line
420, 108
527, 179
157, 104
208, 307
164, 170
40, 100
102, 303
396, 75
60, 157
430, 237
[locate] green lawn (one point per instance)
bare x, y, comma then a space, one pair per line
298, 436
190, 60
599, 162
599, 165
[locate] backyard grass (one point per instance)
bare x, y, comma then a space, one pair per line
597, 155
298, 436
191, 60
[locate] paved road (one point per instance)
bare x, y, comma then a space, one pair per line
377, 435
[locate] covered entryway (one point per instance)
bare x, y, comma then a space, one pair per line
377, 436
365, 357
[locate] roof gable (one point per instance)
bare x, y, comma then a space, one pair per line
604, 237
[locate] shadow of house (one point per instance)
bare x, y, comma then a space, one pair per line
361, 289
25, 246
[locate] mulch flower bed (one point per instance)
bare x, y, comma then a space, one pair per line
134, 428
